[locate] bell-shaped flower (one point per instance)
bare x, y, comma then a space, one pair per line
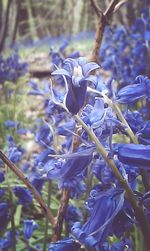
77, 73
131, 93
28, 228
44, 135
4, 216
66, 244
104, 206
134, 155
70, 165
24, 195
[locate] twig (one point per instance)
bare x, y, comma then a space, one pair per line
60, 215
25, 180
103, 20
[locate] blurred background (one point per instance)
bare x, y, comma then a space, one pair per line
26, 22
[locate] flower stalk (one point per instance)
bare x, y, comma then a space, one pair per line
140, 216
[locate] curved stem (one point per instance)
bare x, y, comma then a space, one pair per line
25, 180
57, 229
132, 136
140, 216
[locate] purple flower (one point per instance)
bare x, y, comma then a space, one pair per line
77, 73
29, 227
66, 244
103, 206
134, 155
24, 195
11, 123
131, 93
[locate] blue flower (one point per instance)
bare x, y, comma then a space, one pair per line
131, 93
6, 242
72, 166
24, 195
4, 217
77, 75
2, 176
73, 214
11, 123
28, 228
67, 244
44, 135
104, 206
134, 155
15, 153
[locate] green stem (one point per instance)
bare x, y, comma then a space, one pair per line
133, 138
140, 216
46, 221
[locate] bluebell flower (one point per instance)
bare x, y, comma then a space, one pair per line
44, 135
43, 157
22, 131
131, 93
72, 166
28, 227
4, 216
24, 195
11, 68
6, 242
66, 244
15, 153
73, 214
77, 74
103, 208
2, 177
2, 192
134, 155
11, 123
103, 172
135, 120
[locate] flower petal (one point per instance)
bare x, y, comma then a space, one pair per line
87, 68
61, 72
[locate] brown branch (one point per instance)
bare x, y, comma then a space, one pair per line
64, 199
25, 180
60, 215
103, 20
110, 9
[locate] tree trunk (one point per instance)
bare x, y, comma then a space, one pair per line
5, 26
18, 5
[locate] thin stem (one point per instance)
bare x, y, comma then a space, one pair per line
132, 136
60, 215
46, 222
140, 216
25, 180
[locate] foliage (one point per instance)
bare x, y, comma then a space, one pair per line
89, 155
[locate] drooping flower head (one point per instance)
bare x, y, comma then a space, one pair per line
77, 73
